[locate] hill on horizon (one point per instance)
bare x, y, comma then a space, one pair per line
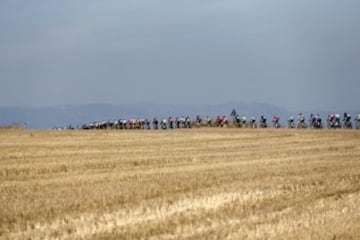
60, 116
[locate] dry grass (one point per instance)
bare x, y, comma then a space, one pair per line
188, 184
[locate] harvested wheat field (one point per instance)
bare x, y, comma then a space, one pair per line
183, 184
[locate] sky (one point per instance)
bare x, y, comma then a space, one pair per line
296, 54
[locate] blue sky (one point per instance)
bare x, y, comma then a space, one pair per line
301, 55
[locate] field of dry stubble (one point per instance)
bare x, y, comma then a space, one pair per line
188, 184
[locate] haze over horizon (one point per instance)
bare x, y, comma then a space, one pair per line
298, 55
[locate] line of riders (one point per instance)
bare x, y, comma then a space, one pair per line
315, 121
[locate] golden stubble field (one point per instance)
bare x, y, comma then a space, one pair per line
183, 184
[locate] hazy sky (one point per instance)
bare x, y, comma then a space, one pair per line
296, 54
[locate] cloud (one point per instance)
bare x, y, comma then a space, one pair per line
271, 51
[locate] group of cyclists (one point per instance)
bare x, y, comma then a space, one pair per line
315, 121
170, 122
333, 121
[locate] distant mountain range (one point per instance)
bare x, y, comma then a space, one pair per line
59, 116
